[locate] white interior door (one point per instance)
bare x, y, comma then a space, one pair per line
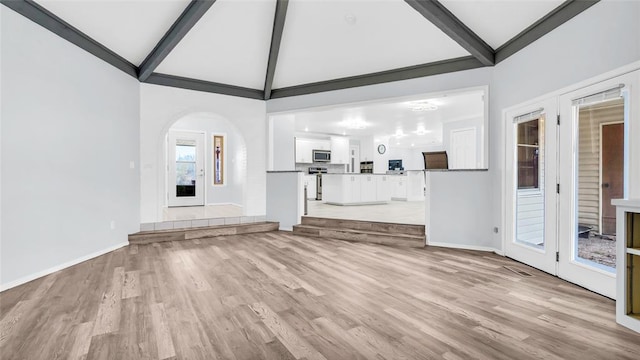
582, 242
530, 183
186, 175
463, 149
354, 159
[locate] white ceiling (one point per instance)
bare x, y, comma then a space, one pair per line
325, 40
229, 45
129, 28
497, 21
384, 119
321, 40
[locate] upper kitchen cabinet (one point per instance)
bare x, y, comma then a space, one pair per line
303, 151
339, 150
305, 147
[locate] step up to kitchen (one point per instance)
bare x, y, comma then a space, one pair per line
147, 237
374, 226
363, 231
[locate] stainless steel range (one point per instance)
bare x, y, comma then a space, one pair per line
318, 171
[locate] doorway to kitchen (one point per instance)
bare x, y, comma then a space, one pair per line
375, 171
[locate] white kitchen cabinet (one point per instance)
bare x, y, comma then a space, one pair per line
407, 187
399, 191
355, 189
304, 149
383, 188
368, 191
339, 150
321, 145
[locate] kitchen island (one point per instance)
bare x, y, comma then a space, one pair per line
407, 186
356, 189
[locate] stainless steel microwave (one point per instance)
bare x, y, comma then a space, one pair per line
321, 155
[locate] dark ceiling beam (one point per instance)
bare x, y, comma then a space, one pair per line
206, 86
189, 17
411, 72
442, 18
276, 37
49, 21
563, 13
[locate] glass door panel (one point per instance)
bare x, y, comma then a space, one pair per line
530, 214
186, 168
600, 177
186, 171
530, 183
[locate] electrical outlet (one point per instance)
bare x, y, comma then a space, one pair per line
132, 164
113, 224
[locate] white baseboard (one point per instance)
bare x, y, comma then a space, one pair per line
465, 247
286, 228
51, 270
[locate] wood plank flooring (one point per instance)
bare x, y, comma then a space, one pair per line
282, 296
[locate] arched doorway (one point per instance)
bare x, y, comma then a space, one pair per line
206, 169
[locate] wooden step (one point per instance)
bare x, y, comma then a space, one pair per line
374, 226
146, 237
402, 240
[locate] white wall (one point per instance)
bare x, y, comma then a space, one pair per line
456, 209
235, 157
161, 106
285, 198
411, 158
282, 140
69, 132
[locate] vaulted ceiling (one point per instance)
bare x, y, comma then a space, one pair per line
266, 49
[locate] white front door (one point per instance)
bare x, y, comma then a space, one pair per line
531, 185
186, 175
463, 149
587, 254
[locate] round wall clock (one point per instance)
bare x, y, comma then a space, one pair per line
381, 149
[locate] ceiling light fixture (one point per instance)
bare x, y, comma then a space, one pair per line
399, 133
419, 106
306, 128
354, 123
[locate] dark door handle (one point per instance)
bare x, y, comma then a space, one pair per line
605, 185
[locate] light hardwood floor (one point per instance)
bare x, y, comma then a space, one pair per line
281, 296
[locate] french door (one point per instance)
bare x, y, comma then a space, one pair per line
186, 175
567, 157
593, 147
531, 162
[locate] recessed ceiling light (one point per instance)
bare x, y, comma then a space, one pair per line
399, 133
344, 133
306, 128
350, 19
412, 145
